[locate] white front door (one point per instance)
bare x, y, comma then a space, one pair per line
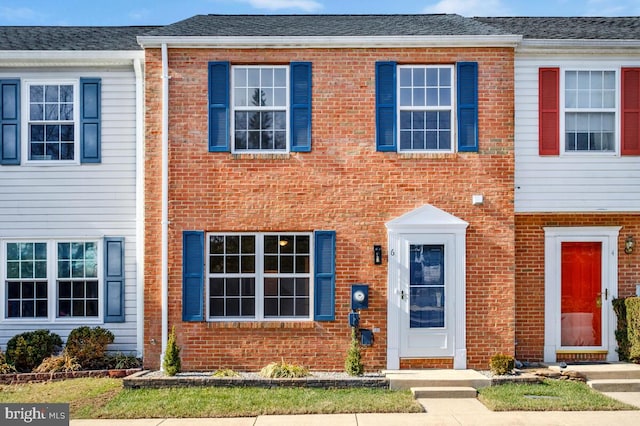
427, 292
426, 306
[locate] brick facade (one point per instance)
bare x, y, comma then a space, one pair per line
343, 184
530, 239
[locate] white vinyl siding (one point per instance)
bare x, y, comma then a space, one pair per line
80, 201
568, 183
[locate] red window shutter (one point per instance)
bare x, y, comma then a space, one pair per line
630, 111
549, 111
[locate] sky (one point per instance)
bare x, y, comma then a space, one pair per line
162, 12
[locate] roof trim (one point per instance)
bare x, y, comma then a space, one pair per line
564, 45
46, 58
285, 42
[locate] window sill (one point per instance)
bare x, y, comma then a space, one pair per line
303, 324
430, 155
258, 156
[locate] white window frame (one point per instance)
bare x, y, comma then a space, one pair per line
26, 121
259, 278
52, 282
564, 110
451, 108
244, 108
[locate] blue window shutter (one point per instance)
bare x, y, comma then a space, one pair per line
300, 82
467, 106
192, 276
386, 106
10, 122
90, 94
219, 107
114, 279
325, 275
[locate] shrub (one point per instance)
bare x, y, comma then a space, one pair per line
171, 362
621, 333
58, 363
88, 346
501, 364
121, 361
277, 370
4, 367
633, 327
225, 372
27, 350
353, 364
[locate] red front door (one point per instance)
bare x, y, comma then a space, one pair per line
581, 307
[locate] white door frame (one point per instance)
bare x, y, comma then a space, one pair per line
426, 220
553, 239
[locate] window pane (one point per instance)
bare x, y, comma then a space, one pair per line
248, 264
232, 264
271, 307
13, 269
232, 307
271, 287
216, 287
280, 77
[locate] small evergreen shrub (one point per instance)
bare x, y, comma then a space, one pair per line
501, 364
26, 351
278, 370
89, 345
171, 363
353, 363
58, 363
621, 333
633, 327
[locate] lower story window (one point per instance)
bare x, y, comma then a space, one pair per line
51, 278
259, 276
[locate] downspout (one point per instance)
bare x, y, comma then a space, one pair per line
137, 68
165, 202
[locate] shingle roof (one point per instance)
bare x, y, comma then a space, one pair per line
569, 28
326, 25
71, 38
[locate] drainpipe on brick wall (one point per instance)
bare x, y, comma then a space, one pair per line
165, 201
137, 67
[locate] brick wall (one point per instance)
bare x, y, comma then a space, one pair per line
343, 185
530, 271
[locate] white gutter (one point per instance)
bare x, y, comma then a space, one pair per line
137, 67
280, 42
165, 202
47, 58
578, 46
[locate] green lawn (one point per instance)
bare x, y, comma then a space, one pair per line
105, 398
551, 395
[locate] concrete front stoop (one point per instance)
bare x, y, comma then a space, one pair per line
438, 383
613, 377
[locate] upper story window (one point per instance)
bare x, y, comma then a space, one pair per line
595, 111
426, 108
52, 122
590, 103
259, 109
260, 105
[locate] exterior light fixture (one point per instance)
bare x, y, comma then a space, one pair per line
377, 255
629, 244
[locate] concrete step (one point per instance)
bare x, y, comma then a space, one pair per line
407, 379
615, 385
444, 392
620, 370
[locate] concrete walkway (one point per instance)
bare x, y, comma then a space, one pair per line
438, 412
